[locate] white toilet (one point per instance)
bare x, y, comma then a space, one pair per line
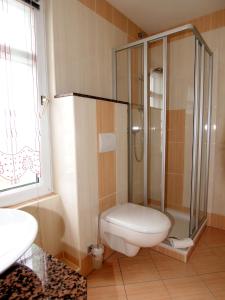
127, 227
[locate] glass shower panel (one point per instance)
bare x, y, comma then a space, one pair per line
179, 141
122, 78
136, 112
204, 143
155, 114
196, 135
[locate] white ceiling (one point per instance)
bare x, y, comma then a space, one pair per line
158, 15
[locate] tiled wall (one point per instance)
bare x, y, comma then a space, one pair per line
209, 22
112, 118
212, 28
111, 14
80, 39
106, 161
87, 181
216, 208
48, 213
175, 158
155, 156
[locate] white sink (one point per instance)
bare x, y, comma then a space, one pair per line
18, 230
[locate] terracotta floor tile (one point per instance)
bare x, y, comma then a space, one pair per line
215, 283
204, 296
208, 264
109, 293
138, 269
109, 274
172, 268
189, 288
213, 237
200, 252
201, 243
154, 290
219, 251
144, 252
115, 257
151, 275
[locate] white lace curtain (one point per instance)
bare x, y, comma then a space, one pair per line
19, 116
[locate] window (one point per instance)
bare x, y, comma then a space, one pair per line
24, 151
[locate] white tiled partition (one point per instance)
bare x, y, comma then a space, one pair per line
76, 162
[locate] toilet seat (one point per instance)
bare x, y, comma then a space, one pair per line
137, 218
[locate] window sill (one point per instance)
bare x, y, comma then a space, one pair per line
51, 196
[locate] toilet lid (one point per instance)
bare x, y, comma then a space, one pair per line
138, 218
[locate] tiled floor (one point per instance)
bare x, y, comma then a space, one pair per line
153, 276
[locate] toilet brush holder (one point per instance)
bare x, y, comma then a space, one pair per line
97, 252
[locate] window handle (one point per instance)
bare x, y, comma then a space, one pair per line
44, 100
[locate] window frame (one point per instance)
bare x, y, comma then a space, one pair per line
44, 186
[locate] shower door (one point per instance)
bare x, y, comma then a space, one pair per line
202, 125
136, 120
130, 88
156, 135
166, 79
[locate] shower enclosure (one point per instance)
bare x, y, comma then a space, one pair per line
167, 80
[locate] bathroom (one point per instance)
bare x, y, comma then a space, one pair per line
128, 112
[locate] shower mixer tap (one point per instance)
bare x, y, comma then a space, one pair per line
136, 129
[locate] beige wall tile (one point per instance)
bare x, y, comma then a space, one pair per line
89, 3
87, 171
81, 60
51, 224
64, 171
34, 211
48, 213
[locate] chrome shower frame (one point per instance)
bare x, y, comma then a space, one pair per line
198, 99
